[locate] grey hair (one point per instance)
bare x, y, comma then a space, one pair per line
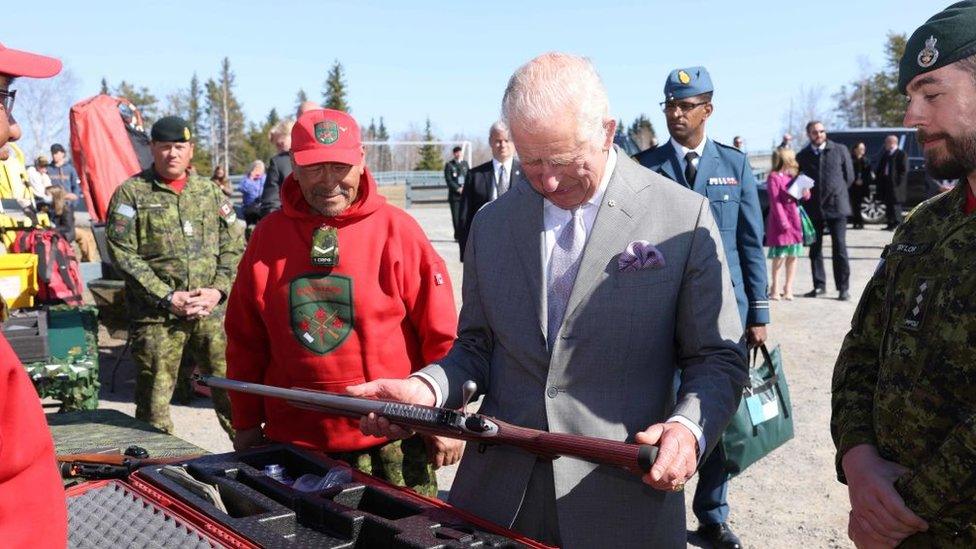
255, 164
499, 127
554, 84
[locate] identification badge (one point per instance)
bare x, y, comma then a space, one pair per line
188, 228
325, 247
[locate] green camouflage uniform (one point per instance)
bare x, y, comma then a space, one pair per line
162, 242
404, 463
905, 380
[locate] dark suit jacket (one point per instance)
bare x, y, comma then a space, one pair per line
833, 172
478, 188
895, 184
279, 167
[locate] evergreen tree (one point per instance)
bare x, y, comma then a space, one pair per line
226, 122
384, 160
874, 100
334, 94
194, 105
642, 132
431, 157
300, 98
104, 88
142, 98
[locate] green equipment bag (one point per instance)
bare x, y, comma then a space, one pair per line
809, 231
764, 420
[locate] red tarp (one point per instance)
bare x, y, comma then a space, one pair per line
101, 151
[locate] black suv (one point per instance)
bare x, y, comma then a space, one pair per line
920, 185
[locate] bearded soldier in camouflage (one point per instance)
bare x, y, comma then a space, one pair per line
904, 387
177, 242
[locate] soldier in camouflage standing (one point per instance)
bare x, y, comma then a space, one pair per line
904, 387
177, 241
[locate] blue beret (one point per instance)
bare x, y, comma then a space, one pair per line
689, 82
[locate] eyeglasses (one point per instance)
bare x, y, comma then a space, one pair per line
7, 97
682, 106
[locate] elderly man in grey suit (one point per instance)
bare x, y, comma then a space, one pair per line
585, 288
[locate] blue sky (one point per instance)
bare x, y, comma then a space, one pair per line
450, 61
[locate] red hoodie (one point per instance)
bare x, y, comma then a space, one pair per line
290, 323
33, 511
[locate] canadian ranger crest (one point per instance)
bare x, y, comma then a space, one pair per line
327, 132
321, 311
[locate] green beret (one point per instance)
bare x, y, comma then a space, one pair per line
947, 37
172, 129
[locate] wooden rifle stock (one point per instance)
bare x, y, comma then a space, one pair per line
429, 420
101, 466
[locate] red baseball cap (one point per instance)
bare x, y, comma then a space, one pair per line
326, 135
22, 63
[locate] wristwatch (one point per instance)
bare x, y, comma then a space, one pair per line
166, 301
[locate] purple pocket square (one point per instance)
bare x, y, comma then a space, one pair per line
639, 255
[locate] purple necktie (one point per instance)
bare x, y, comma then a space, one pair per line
563, 265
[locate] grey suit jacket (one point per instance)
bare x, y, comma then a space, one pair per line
611, 372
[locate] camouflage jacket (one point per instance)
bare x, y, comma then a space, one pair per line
905, 380
163, 241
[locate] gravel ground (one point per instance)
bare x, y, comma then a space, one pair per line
789, 498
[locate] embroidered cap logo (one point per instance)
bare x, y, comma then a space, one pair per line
326, 132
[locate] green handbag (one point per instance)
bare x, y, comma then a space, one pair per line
809, 231
764, 420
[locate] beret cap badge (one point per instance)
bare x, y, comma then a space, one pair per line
683, 77
928, 55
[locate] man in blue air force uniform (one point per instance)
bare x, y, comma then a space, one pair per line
722, 174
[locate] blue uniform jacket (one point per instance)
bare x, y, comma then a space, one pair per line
725, 177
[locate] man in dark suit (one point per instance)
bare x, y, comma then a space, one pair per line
488, 181
279, 167
892, 176
455, 172
829, 165
723, 175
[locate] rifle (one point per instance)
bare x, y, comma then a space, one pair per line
104, 466
459, 424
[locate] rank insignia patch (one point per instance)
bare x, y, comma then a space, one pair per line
928, 56
321, 311
327, 132
918, 302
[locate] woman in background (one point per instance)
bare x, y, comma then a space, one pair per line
784, 233
863, 178
220, 179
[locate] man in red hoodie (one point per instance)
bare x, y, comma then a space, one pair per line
337, 288
32, 504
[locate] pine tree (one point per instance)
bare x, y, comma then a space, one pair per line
873, 99
334, 94
642, 132
384, 160
431, 157
194, 105
226, 122
104, 89
300, 98
142, 98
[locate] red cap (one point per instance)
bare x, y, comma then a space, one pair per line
22, 63
326, 135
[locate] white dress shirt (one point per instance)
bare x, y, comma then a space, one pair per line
496, 167
682, 151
